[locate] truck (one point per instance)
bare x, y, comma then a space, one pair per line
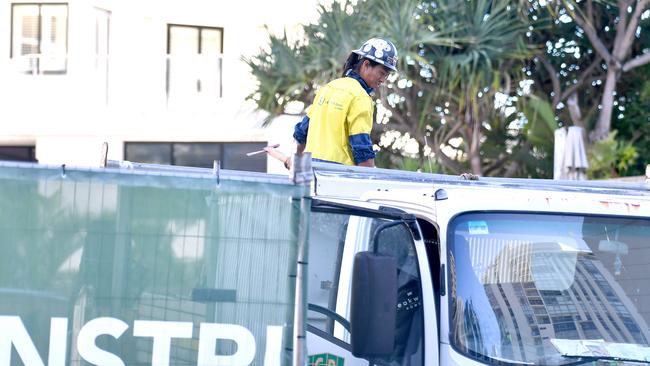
144, 264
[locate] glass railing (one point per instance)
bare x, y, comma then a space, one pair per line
191, 77
175, 80
40, 64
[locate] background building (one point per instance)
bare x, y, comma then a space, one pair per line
160, 81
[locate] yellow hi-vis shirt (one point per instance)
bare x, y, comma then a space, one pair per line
341, 108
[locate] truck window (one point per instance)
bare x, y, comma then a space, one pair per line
334, 239
530, 288
326, 240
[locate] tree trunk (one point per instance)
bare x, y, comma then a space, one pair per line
514, 165
474, 138
475, 162
604, 124
446, 161
421, 163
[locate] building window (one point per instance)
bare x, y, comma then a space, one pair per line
232, 155
18, 153
194, 62
39, 38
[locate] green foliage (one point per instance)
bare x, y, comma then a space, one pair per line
292, 71
486, 33
610, 158
573, 66
456, 56
634, 126
541, 123
396, 161
412, 164
280, 73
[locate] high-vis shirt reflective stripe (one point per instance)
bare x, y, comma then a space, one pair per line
341, 109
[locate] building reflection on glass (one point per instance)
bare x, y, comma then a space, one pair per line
594, 307
531, 310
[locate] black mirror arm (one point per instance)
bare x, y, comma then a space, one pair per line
327, 312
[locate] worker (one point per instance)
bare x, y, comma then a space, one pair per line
338, 123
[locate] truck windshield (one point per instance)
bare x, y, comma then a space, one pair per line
542, 289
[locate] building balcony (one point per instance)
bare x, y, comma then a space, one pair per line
60, 82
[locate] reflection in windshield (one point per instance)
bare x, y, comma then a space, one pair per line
520, 282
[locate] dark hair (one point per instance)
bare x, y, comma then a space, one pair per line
354, 62
351, 63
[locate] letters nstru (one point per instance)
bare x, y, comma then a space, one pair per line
162, 332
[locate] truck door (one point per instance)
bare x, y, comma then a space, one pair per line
338, 232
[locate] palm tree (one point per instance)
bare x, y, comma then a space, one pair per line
292, 71
455, 55
486, 60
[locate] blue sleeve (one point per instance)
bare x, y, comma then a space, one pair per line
361, 147
301, 129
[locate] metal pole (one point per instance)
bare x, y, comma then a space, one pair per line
300, 312
301, 165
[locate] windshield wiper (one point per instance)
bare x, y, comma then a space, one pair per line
586, 359
591, 350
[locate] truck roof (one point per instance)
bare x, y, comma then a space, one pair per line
364, 179
377, 178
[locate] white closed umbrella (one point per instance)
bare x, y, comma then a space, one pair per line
570, 156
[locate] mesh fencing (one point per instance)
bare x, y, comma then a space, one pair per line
90, 244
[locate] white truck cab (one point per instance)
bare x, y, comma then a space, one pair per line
415, 269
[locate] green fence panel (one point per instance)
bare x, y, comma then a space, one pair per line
115, 266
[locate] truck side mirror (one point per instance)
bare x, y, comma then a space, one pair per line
373, 305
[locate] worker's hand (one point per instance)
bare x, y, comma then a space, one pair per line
286, 160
